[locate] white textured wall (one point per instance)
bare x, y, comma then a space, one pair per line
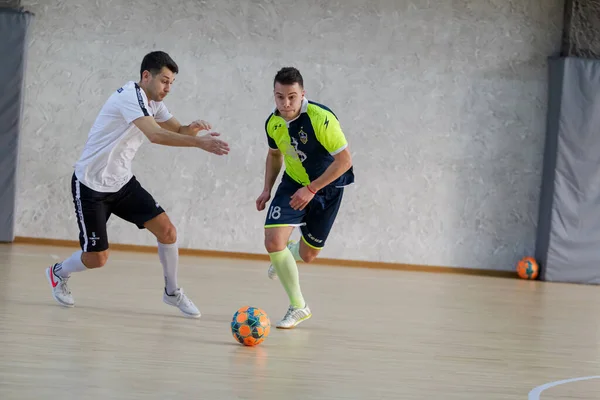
443, 104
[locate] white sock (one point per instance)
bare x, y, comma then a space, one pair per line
169, 258
71, 264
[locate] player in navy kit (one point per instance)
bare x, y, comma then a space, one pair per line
103, 183
307, 137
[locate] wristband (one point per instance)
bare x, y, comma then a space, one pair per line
310, 190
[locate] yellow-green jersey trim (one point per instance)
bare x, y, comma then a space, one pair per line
310, 245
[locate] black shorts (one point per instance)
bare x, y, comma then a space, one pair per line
131, 203
317, 218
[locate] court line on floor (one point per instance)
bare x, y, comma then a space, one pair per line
535, 393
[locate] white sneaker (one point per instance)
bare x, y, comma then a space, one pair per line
181, 301
293, 317
60, 289
272, 272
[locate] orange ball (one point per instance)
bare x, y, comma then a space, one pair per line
528, 268
250, 326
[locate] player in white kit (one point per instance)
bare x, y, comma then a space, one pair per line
103, 183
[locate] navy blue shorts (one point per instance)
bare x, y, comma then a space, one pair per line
317, 218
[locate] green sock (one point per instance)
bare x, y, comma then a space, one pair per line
287, 271
295, 249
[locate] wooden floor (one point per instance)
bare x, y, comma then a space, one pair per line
374, 334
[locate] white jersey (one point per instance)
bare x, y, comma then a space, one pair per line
113, 141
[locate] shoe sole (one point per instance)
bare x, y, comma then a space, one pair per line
296, 324
191, 316
194, 316
48, 272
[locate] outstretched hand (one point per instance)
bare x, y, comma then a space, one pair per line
210, 143
199, 125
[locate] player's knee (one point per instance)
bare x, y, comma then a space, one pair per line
167, 234
274, 243
309, 254
95, 259
308, 257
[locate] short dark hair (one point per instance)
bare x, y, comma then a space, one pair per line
288, 76
155, 61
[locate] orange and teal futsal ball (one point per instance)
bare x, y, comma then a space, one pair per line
527, 268
250, 326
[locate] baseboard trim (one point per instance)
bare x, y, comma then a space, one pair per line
264, 257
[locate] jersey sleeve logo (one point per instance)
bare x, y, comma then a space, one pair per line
326, 122
119, 90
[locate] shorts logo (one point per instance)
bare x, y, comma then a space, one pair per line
94, 238
119, 90
314, 238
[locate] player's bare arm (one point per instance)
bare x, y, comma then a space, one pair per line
342, 161
273, 166
158, 135
190, 130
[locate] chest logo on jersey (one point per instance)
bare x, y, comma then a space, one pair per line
303, 136
294, 152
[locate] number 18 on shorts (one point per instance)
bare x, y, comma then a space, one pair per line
316, 220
